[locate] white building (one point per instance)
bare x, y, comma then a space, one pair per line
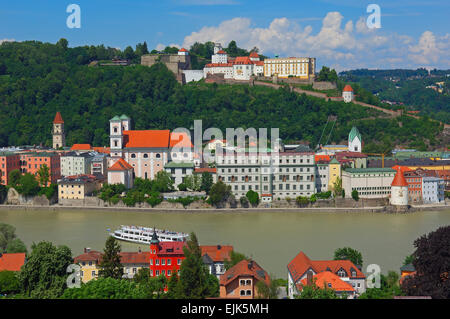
399, 190
432, 189
369, 182
354, 140
76, 164
347, 94
179, 171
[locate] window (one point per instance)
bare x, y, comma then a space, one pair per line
242, 292
248, 282
242, 282
169, 262
163, 261
248, 292
178, 261
93, 273
157, 262
145, 155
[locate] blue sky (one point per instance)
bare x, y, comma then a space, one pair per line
413, 34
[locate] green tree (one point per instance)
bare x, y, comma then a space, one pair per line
219, 193
408, 260
235, 257
348, 253
355, 195
9, 282
43, 175
337, 187
44, 275
312, 291
253, 197
163, 182
29, 186
7, 234
206, 182
110, 266
195, 281
267, 291
173, 286
16, 246
14, 178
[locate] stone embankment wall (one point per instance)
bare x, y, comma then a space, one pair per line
324, 85
14, 198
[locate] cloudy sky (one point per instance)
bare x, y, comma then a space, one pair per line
413, 33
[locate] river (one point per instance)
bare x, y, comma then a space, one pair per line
270, 238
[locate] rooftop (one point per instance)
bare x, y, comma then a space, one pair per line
245, 268
120, 165
12, 262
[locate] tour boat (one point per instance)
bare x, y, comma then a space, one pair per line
143, 235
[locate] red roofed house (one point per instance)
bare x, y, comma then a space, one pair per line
121, 173
59, 138
165, 257
214, 257
347, 94
147, 151
299, 267
240, 281
12, 262
81, 147
327, 280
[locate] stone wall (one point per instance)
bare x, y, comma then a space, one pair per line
323, 85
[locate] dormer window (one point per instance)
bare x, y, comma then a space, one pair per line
341, 273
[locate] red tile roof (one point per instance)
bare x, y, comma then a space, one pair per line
260, 63
217, 254
100, 149
171, 248
301, 263
92, 255
322, 280
221, 52
147, 138
182, 50
351, 154
325, 158
81, 147
254, 55
242, 60
180, 139
12, 262
242, 269
135, 257
347, 88
218, 65
399, 179
58, 119
120, 165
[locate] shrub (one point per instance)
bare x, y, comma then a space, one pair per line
313, 198
154, 199
355, 195
182, 187
253, 197
302, 200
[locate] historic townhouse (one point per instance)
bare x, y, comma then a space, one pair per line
31, 162
303, 68
279, 175
73, 163
9, 161
214, 258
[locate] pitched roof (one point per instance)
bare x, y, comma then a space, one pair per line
120, 165
326, 278
182, 50
12, 262
354, 133
211, 170
218, 65
347, 88
301, 263
81, 147
221, 52
101, 149
58, 119
245, 268
91, 255
180, 139
318, 158
147, 138
217, 253
399, 179
334, 161
242, 60
254, 55
135, 257
171, 248
351, 154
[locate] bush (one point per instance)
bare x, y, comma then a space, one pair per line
154, 199
253, 197
49, 191
185, 201
355, 195
324, 195
244, 201
182, 187
313, 198
302, 200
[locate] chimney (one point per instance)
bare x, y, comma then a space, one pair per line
250, 264
309, 278
219, 247
87, 249
139, 250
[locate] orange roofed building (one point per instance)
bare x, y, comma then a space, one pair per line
327, 280
146, 151
12, 262
214, 258
121, 173
301, 265
240, 281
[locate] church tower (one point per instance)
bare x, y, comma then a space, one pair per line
59, 139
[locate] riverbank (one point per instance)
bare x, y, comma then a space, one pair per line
379, 209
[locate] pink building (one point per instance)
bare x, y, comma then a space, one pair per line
121, 173
147, 151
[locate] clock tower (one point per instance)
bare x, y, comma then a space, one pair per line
59, 139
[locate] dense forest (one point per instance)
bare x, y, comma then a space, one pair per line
37, 79
408, 87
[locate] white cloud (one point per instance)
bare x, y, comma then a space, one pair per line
342, 43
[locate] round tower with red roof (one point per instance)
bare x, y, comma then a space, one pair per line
399, 190
347, 94
59, 138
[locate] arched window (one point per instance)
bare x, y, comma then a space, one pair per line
115, 143
158, 155
174, 155
341, 273
115, 129
145, 155
133, 155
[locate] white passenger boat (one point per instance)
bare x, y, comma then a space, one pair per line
143, 235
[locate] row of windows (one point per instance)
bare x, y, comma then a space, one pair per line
247, 160
266, 170
163, 261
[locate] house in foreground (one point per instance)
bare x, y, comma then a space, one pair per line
299, 268
12, 262
241, 280
214, 258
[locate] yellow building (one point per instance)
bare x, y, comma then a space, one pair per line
334, 171
78, 186
303, 68
131, 262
